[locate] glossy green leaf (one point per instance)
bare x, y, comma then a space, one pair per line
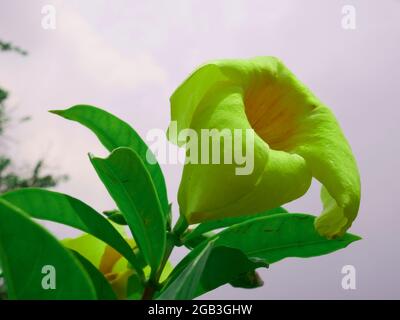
211, 268
61, 208
195, 241
249, 280
226, 222
273, 238
134, 288
116, 217
26, 250
130, 185
101, 285
276, 237
113, 133
184, 285
225, 265
169, 217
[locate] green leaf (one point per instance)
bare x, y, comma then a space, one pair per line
129, 183
276, 237
116, 217
211, 268
226, 222
61, 208
249, 280
272, 238
113, 133
168, 217
226, 265
26, 249
185, 284
101, 285
134, 288
194, 242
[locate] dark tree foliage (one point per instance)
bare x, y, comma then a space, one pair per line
8, 46
10, 178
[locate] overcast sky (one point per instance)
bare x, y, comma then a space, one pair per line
128, 56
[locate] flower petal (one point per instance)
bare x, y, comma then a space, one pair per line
212, 191
187, 96
88, 246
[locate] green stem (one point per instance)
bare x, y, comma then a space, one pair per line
180, 227
173, 239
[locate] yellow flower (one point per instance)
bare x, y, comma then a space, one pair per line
107, 260
296, 138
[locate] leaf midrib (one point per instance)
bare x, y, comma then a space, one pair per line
305, 244
142, 226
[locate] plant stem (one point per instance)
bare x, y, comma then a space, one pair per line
180, 226
173, 239
148, 292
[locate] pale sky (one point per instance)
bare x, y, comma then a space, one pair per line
128, 56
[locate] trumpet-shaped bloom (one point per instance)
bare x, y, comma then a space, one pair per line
296, 138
